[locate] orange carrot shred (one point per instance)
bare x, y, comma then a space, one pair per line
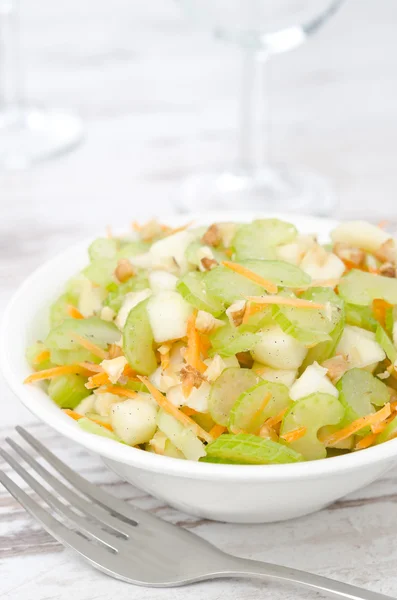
217, 430
97, 380
178, 229
91, 366
117, 390
54, 372
109, 233
379, 309
285, 300
269, 286
366, 441
41, 357
251, 310
166, 405
76, 416
93, 348
74, 312
115, 351
294, 435
188, 411
345, 432
192, 355
383, 224
187, 387
272, 421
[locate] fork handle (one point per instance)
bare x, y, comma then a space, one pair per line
252, 568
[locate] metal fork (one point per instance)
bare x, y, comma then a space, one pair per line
131, 544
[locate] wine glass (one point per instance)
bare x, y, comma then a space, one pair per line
28, 133
262, 28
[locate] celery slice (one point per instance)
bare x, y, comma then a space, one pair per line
117, 292
181, 437
68, 390
225, 391
192, 255
313, 412
32, 352
258, 239
389, 432
228, 286
192, 287
360, 316
138, 340
100, 271
59, 309
103, 248
281, 273
129, 249
359, 392
71, 357
383, 340
248, 412
359, 287
314, 325
93, 329
248, 449
91, 427
229, 340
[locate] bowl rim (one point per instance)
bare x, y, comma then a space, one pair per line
34, 398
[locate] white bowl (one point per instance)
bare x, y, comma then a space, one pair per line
243, 494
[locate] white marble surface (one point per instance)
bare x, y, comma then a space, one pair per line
159, 101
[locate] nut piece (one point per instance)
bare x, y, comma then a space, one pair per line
387, 252
345, 252
191, 375
205, 322
212, 236
387, 270
245, 359
235, 312
208, 263
124, 270
150, 230
336, 367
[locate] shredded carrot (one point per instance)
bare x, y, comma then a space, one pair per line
269, 286
76, 416
263, 405
285, 300
115, 351
136, 226
393, 406
178, 229
117, 390
372, 419
188, 411
331, 283
187, 387
90, 346
205, 344
41, 357
366, 441
379, 309
109, 232
379, 427
383, 224
97, 380
228, 252
192, 355
91, 366
251, 310
54, 372
74, 313
175, 412
217, 430
272, 421
294, 435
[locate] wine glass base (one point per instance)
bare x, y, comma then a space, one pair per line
274, 188
29, 135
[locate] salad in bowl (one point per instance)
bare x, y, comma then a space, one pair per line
241, 343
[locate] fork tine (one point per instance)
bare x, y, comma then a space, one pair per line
92, 491
90, 509
87, 526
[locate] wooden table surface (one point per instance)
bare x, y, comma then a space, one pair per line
159, 100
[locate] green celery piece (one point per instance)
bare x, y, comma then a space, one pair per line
313, 412
59, 309
359, 392
136, 386
215, 460
91, 427
100, 271
310, 326
130, 249
259, 238
249, 412
205, 420
360, 316
138, 340
71, 357
68, 390
181, 437
192, 287
103, 248
359, 287
324, 350
383, 340
281, 273
228, 286
93, 329
32, 352
192, 249
388, 433
226, 389
117, 292
248, 449
229, 340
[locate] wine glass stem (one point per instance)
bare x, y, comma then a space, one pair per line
10, 81
254, 138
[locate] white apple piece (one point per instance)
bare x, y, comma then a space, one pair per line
134, 421
278, 349
168, 316
162, 280
131, 300
285, 376
313, 379
170, 250
360, 347
359, 234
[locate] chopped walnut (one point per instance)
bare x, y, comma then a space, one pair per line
124, 270
384, 375
245, 359
192, 375
336, 367
388, 270
205, 322
212, 236
345, 252
208, 263
235, 312
387, 252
